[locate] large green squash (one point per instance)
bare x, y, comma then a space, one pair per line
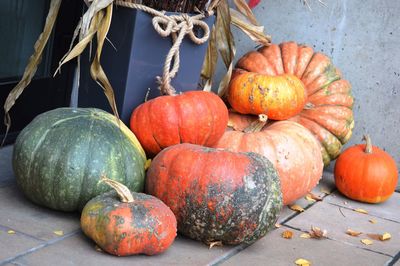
59, 157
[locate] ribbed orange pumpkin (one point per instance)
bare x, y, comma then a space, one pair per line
366, 173
291, 148
196, 117
327, 112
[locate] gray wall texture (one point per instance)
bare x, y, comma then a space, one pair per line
363, 38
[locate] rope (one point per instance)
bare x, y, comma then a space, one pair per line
177, 26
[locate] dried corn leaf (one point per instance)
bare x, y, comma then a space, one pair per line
317, 233
385, 236
254, 32
245, 10
353, 233
59, 233
33, 62
287, 234
94, 7
302, 262
210, 62
367, 241
361, 211
305, 235
11, 232
296, 208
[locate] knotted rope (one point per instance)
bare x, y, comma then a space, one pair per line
177, 26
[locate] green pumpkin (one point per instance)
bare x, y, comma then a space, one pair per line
59, 158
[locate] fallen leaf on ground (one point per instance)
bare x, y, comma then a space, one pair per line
366, 241
287, 234
305, 235
385, 236
215, 244
11, 232
313, 196
317, 233
326, 191
59, 233
302, 262
277, 225
373, 221
361, 211
353, 233
97, 248
296, 208
374, 236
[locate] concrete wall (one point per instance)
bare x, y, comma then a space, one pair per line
362, 38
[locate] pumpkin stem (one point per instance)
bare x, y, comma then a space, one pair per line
368, 147
124, 193
257, 125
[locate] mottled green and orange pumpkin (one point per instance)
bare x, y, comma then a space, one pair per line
196, 117
59, 157
126, 223
291, 148
280, 76
215, 194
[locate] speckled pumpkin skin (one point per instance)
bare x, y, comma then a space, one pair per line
215, 194
145, 226
59, 157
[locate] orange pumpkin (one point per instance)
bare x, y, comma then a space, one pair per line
366, 173
291, 148
327, 111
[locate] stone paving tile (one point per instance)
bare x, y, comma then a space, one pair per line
21, 215
389, 209
275, 250
14, 244
336, 220
79, 250
6, 173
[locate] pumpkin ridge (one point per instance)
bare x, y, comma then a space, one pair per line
211, 117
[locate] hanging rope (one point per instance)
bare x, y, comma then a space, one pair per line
177, 26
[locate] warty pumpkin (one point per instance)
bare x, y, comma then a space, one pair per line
215, 194
291, 148
366, 173
196, 117
59, 156
327, 110
124, 223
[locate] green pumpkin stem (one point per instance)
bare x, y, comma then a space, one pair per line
368, 146
257, 125
124, 193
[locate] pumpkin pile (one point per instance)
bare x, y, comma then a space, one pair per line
216, 175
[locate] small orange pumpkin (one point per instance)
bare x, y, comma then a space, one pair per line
366, 173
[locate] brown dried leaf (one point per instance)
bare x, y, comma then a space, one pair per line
361, 211
287, 234
302, 262
374, 236
314, 197
373, 221
215, 244
245, 10
305, 235
367, 241
210, 62
296, 208
325, 191
385, 236
353, 233
59, 233
317, 233
33, 62
11, 232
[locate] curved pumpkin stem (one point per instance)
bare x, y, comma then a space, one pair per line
368, 146
124, 193
257, 125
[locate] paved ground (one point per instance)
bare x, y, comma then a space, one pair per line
29, 235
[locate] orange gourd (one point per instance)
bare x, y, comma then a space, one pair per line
327, 109
366, 173
291, 148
